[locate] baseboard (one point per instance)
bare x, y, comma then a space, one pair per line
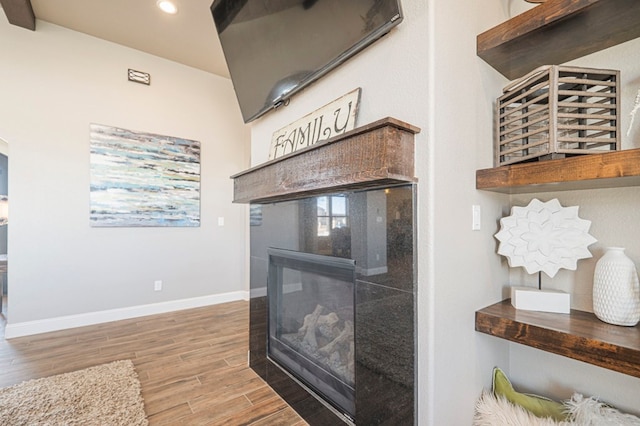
29, 328
245, 295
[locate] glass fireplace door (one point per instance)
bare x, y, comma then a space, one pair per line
311, 322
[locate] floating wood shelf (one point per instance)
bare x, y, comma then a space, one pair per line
556, 32
578, 335
590, 171
378, 154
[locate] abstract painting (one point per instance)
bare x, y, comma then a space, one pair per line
143, 179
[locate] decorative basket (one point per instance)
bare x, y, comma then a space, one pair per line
555, 112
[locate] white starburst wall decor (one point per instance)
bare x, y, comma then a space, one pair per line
543, 237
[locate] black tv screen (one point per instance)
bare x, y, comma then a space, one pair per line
275, 48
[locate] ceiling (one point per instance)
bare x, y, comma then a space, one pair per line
188, 37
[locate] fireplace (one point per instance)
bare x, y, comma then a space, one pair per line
332, 307
311, 319
333, 276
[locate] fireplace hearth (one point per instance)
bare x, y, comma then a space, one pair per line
332, 278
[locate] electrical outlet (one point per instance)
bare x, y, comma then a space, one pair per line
157, 285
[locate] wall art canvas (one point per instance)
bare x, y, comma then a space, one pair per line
143, 179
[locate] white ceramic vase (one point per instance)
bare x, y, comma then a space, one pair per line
616, 291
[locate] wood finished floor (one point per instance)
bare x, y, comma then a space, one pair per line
192, 364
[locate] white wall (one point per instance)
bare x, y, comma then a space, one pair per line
467, 274
54, 82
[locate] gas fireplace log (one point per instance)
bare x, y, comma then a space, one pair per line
327, 325
308, 329
345, 336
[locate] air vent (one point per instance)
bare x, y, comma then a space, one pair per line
139, 77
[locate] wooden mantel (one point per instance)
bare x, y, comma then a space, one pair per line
374, 155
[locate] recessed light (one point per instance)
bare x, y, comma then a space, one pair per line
167, 6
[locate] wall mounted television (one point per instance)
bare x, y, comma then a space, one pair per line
275, 48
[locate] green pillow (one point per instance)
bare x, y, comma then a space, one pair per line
538, 405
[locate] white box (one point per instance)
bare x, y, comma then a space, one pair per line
533, 299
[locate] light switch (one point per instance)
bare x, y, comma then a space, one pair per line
221, 221
476, 216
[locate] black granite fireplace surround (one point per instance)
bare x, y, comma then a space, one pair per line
332, 308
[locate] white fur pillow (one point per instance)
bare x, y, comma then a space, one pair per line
497, 411
590, 411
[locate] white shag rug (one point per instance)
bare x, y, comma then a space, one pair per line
498, 411
105, 395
